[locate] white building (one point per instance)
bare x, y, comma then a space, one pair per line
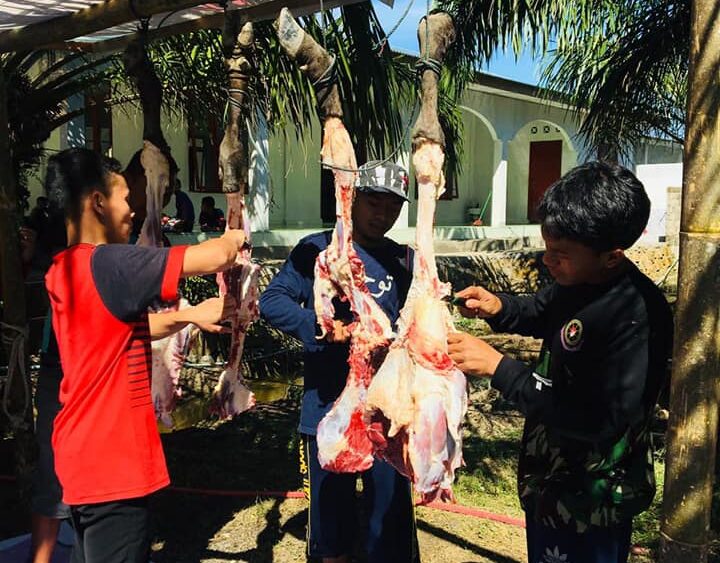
515, 145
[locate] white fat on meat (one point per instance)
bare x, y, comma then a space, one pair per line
157, 176
417, 400
168, 357
343, 441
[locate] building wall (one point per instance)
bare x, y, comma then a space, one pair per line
659, 167
295, 178
497, 136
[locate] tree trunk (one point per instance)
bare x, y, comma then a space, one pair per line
14, 327
695, 389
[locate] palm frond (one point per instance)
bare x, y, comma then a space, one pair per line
630, 80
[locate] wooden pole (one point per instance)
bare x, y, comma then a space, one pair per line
53, 33
14, 317
695, 383
97, 17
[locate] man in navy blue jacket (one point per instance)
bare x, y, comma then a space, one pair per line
287, 304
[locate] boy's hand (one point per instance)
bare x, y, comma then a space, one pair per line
236, 237
480, 303
339, 333
208, 315
472, 355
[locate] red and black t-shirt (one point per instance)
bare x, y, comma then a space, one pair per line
105, 437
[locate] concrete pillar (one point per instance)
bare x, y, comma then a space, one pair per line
498, 211
259, 177
403, 159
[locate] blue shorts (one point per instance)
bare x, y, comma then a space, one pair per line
566, 545
47, 492
332, 524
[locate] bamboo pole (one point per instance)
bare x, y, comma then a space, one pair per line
695, 384
14, 316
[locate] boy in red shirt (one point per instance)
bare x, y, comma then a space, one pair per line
108, 454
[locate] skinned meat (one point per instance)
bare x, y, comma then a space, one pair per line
417, 400
168, 354
232, 396
342, 437
157, 175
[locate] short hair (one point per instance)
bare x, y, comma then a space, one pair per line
73, 174
598, 204
209, 200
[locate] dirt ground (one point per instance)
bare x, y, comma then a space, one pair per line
258, 451
274, 530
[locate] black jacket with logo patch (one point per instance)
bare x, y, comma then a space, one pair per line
586, 456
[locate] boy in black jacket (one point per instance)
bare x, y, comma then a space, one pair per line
585, 465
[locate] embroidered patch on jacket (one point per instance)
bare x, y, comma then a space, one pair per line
571, 335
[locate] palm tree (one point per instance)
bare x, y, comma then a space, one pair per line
623, 63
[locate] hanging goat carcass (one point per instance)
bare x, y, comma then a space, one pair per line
232, 395
168, 353
417, 400
342, 436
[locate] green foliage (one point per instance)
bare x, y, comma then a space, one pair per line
628, 74
623, 63
378, 87
197, 289
39, 84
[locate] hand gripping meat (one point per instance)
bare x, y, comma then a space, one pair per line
232, 395
417, 400
342, 438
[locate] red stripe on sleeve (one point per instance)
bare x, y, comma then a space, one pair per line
173, 271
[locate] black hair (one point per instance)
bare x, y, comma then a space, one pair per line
210, 200
73, 174
598, 204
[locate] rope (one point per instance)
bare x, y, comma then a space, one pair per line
428, 63
16, 364
326, 80
233, 101
382, 44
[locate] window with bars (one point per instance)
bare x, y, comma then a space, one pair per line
204, 138
98, 123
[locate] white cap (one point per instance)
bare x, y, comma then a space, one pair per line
387, 177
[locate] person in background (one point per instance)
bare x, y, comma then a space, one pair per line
211, 218
185, 211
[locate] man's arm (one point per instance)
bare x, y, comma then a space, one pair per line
207, 316
214, 255
523, 315
282, 303
611, 400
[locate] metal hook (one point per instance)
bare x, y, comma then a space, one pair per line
144, 21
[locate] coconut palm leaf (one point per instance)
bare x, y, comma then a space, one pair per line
624, 62
630, 78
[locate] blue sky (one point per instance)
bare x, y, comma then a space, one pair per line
525, 69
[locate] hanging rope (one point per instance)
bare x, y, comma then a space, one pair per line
380, 47
424, 63
13, 337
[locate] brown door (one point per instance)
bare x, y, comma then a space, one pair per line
545, 162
